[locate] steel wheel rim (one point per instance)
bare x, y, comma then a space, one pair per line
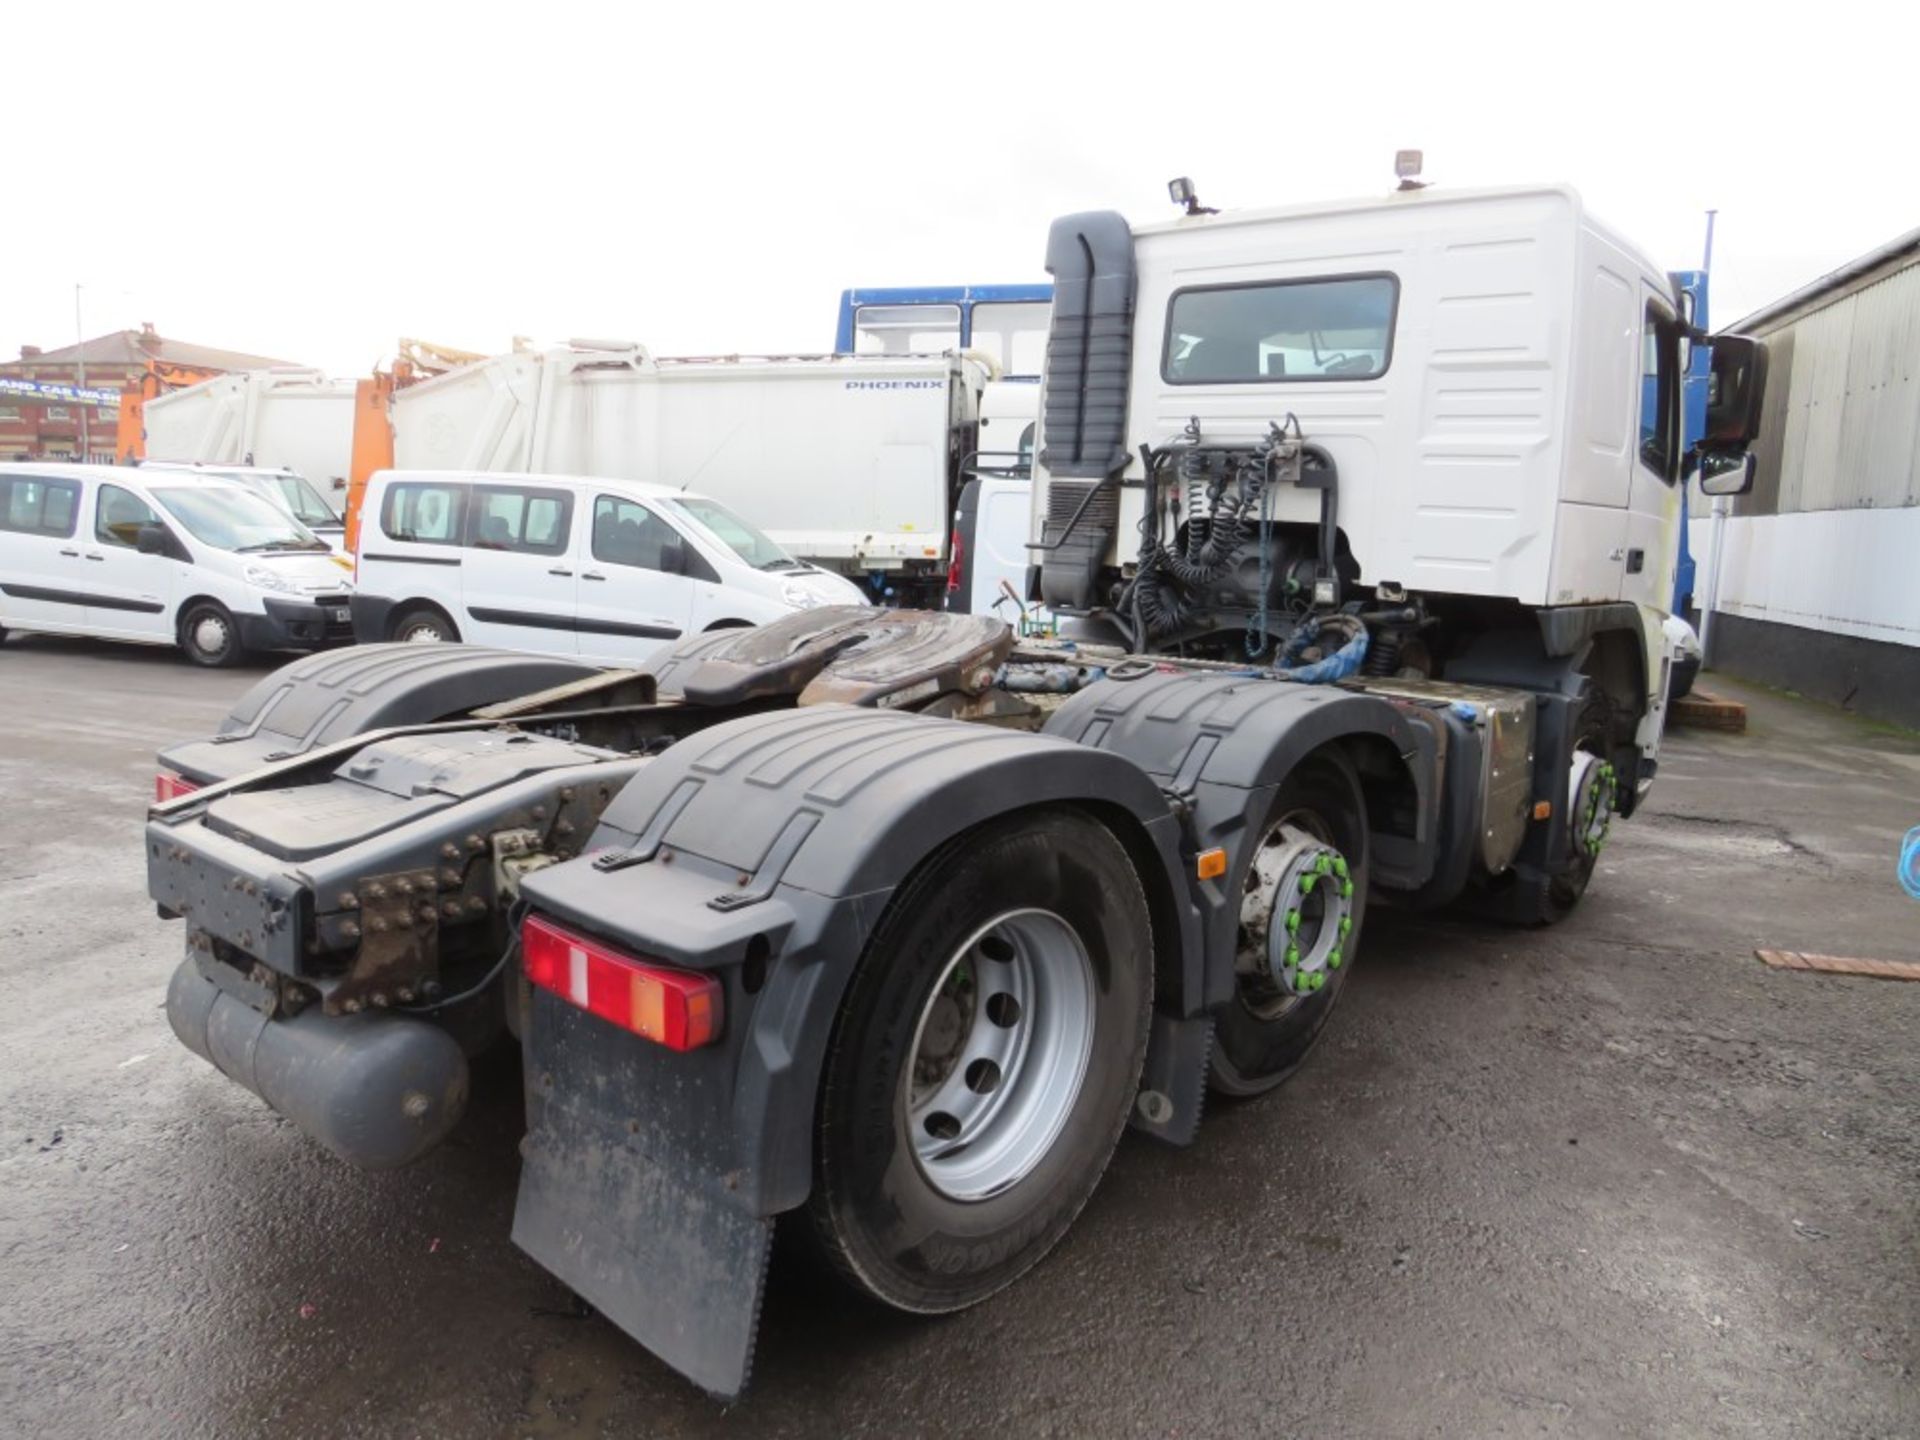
999, 1054
211, 634
424, 633
1259, 994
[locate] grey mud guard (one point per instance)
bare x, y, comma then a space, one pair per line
624, 1210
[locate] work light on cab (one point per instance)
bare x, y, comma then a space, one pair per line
676, 1008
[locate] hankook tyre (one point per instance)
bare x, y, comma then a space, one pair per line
984, 1062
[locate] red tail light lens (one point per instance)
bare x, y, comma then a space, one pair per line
956, 554
169, 786
676, 1008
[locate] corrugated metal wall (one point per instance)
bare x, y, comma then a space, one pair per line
1841, 429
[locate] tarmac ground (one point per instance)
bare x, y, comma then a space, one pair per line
1613, 1178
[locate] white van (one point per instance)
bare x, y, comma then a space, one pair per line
288, 489
608, 570
136, 554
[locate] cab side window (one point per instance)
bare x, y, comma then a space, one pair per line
118, 516
625, 533
30, 505
1659, 375
426, 513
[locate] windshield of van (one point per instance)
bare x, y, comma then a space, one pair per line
229, 518
736, 534
303, 500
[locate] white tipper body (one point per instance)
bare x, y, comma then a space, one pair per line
1499, 453
845, 460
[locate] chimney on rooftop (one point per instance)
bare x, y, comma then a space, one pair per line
29, 352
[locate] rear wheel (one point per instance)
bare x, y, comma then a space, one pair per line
984, 1063
424, 625
1303, 896
210, 637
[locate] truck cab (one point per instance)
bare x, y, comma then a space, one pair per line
1455, 413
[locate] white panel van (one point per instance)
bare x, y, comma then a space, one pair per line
608, 570
131, 554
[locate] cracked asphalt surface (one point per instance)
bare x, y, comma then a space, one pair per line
1612, 1178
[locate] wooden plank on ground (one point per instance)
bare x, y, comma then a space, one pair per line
1840, 965
1706, 711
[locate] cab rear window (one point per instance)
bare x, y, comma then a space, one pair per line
30, 505
1339, 327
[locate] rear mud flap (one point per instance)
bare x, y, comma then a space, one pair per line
618, 1202
678, 1272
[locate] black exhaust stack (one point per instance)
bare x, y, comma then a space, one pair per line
1084, 426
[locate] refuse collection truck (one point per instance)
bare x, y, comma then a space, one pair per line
279, 419
851, 462
891, 922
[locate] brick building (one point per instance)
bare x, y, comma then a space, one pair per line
43, 415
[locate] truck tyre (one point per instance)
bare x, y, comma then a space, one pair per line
424, 625
210, 637
984, 1063
1311, 858
1549, 899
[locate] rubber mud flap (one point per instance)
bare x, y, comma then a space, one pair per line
630, 1215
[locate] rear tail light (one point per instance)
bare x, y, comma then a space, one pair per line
677, 1008
956, 555
169, 786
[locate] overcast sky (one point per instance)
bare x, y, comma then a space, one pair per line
313, 182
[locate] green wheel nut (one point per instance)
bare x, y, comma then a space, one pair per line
1340, 867
1333, 959
1306, 884
1346, 926
1323, 865
1346, 889
1318, 981
1293, 955
1293, 922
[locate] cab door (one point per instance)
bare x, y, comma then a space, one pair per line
517, 582
129, 595
1655, 497
635, 594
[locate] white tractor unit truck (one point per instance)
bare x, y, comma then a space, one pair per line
892, 921
848, 461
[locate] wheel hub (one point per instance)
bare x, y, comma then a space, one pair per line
210, 634
999, 1054
1592, 789
1297, 911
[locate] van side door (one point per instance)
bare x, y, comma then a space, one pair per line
42, 584
130, 596
637, 581
517, 581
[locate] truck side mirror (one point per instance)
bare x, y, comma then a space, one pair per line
151, 539
1736, 384
1726, 472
